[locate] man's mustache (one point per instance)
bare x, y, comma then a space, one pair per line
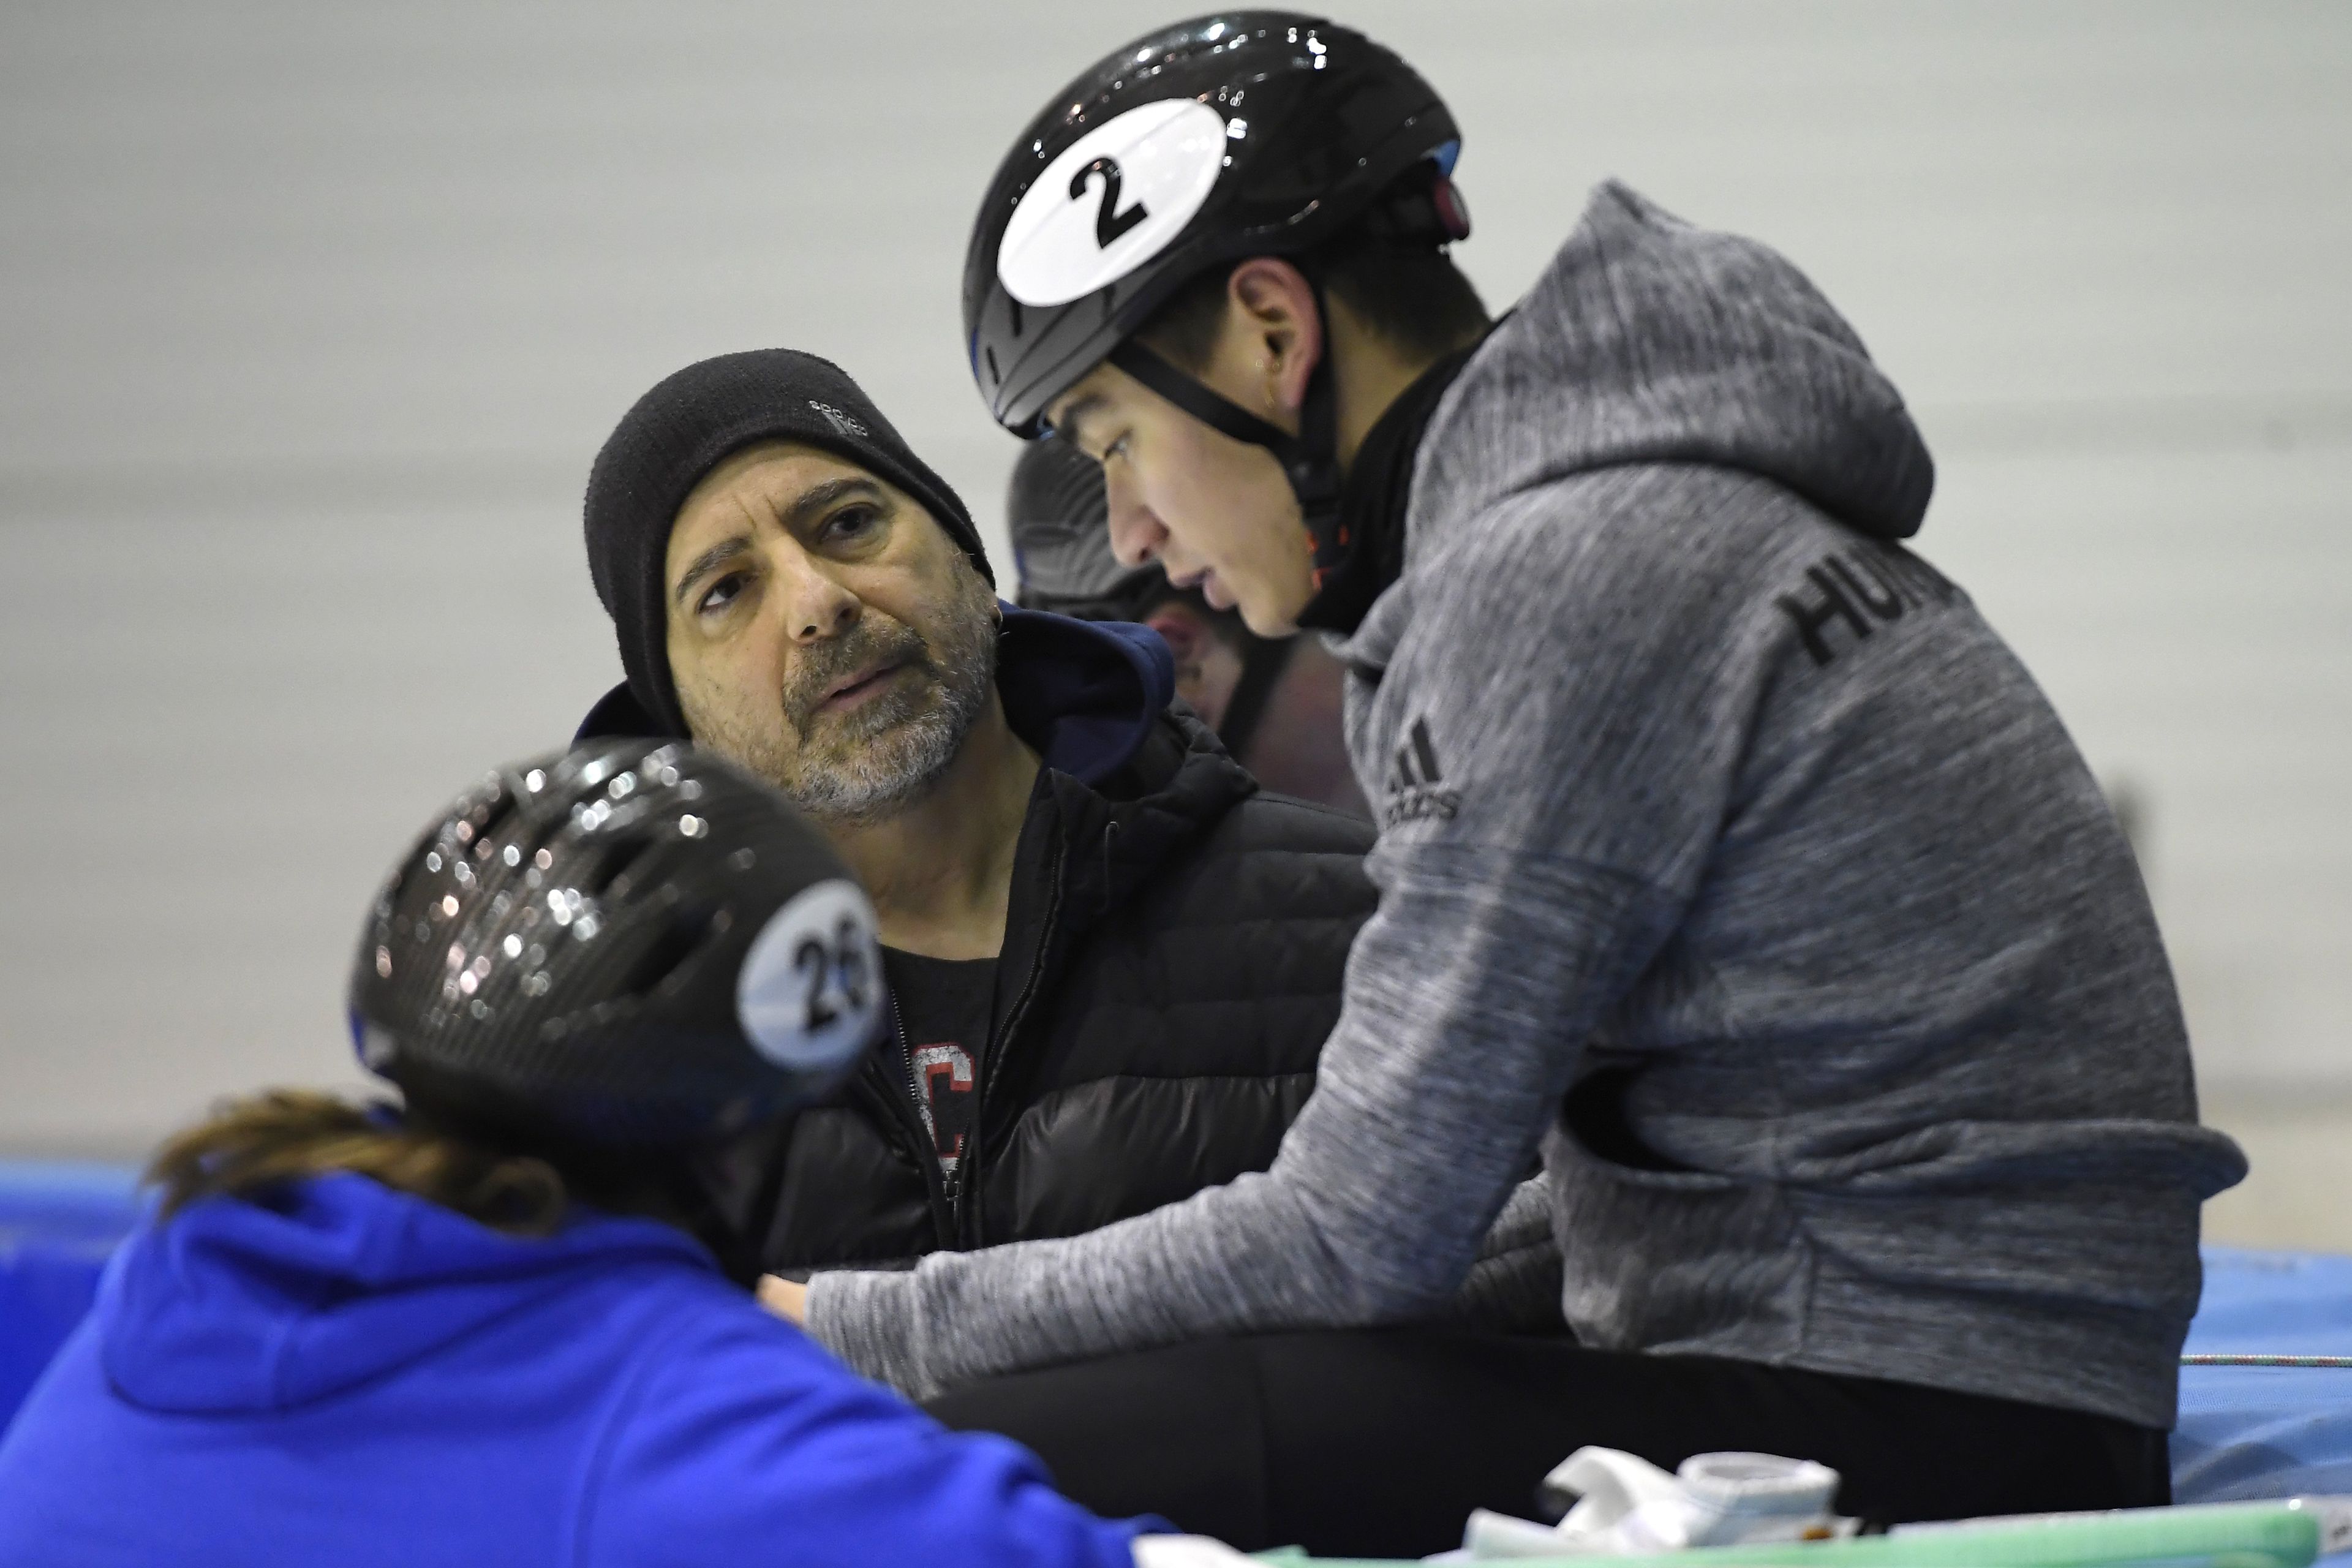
818, 669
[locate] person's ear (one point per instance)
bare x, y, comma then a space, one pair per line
1273, 305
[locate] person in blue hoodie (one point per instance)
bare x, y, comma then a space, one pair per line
502, 1324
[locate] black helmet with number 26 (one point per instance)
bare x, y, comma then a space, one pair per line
631, 945
1242, 133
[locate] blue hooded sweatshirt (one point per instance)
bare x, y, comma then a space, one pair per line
352, 1376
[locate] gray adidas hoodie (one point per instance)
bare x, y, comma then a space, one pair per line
1705, 798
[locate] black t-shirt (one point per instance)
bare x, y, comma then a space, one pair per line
945, 1006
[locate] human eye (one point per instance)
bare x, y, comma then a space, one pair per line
852, 523
721, 596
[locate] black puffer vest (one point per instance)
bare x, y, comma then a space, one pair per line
1171, 969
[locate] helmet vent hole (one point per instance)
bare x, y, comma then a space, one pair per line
995, 375
493, 817
678, 942
542, 834
1013, 307
613, 863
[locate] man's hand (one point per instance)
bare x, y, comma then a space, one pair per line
787, 1299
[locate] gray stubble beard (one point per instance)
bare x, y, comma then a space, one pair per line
893, 751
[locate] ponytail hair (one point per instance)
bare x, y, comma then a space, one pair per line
284, 1135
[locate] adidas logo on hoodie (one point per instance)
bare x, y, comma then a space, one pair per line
1416, 788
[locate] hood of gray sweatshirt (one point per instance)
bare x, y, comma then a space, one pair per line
1650, 340
1728, 857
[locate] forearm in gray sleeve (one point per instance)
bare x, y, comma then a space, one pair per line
1464, 998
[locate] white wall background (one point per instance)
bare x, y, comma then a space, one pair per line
312, 317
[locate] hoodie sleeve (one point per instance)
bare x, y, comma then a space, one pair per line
744, 1443
1584, 696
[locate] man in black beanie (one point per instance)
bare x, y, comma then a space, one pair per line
1113, 960
677, 434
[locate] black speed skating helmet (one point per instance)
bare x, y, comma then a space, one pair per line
1055, 511
1242, 133
632, 946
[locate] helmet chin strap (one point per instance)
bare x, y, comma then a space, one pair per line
1311, 459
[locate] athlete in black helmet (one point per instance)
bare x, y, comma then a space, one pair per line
1102, 261
478, 1328
1727, 856
1274, 702
630, 946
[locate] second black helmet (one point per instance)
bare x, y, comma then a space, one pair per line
631, 945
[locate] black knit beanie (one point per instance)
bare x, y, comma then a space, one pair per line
686, 427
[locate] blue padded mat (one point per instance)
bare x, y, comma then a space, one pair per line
2245, 1432
2265, 1431
58, 1222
